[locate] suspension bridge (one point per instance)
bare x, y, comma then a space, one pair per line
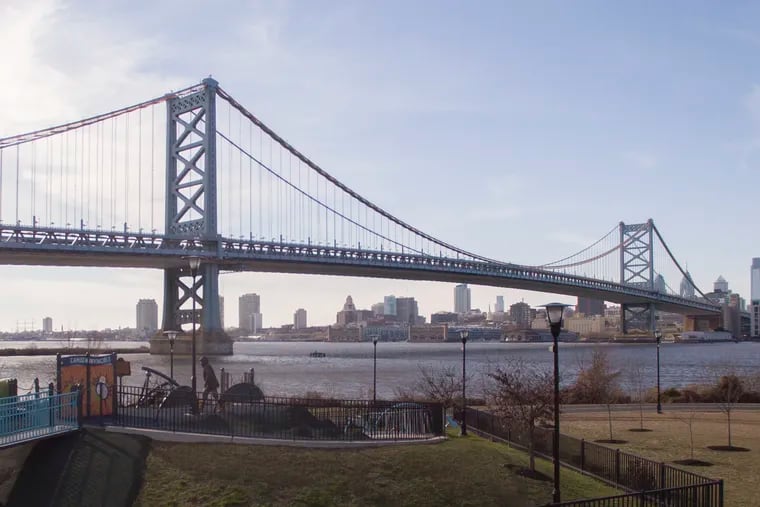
194, 173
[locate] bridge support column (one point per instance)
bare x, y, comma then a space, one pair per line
191, 211
640, 318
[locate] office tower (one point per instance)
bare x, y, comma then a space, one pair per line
521, 315
461, 298
589, 306
249, 313
720, 285
389, 302
499, 304
299, 319
147, 316
47, 325
406, 310
754, 296
687, 286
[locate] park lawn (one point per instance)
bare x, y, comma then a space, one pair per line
670, 441
459, 471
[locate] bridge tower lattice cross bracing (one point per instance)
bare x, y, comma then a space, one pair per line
637, 270
191, 214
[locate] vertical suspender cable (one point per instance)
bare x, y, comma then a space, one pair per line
250, 183
152, 166
18, 156
126, 172
1, 186
139, 170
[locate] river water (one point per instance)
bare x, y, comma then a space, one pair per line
286, 369
346, 370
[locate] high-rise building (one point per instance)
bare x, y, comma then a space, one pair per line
406, 310
499, 308
720, 285
389, 303
521, 315
462, 298
249, 313
147, 316
660, 285
378, 309
221, 311
755, 281
687, 286
299, 319
589, 306
47, 325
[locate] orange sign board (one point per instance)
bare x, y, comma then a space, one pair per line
97, 377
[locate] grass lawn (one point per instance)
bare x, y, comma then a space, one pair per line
460, 471
669, 441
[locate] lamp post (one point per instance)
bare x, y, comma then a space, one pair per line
374, 371
463, 335
195, 263
171, 335
658, 338
554, 316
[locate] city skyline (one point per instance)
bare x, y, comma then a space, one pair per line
649, 135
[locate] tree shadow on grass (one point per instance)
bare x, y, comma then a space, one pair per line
611, 441
693, 462
727, 448
527, 472
640, 430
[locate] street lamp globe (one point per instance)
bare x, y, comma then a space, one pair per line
463, 334
554, 313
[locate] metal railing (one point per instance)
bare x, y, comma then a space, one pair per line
277, 418
650, 483
36, 415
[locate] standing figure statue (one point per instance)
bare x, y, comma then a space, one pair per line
210, 383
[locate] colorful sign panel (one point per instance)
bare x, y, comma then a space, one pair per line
97, 377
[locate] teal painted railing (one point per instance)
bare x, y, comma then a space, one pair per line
37, 415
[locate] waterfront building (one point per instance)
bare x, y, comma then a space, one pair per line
444, 318
389, 305
47, 325
521, 315
299, 319
585, 325
406, 310
499, 308
589, 306
250, 318
350, 315
147, 316
462, 300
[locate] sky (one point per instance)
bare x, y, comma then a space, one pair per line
522, 131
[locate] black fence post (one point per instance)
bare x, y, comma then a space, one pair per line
78, 388
583, 454
51, 391
617, 466
720, 493
662, 476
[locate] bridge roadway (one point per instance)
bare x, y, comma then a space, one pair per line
25, 245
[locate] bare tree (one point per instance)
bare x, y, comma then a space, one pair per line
442, 383
598, 383
688, 419
522, 395
636, 379
727, 392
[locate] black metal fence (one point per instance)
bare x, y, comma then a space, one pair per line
278, 418
652, 483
